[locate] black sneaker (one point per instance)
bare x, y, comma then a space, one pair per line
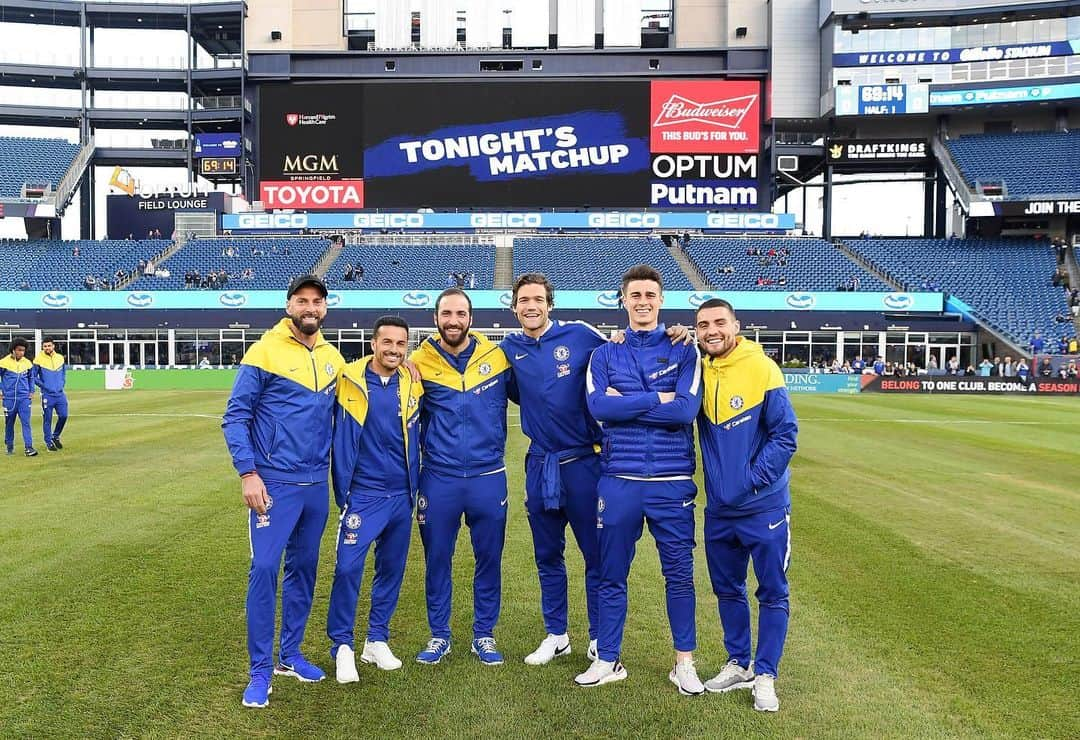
56, 443
30, 452
50, 447
10, 451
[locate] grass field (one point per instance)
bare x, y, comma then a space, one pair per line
935, 576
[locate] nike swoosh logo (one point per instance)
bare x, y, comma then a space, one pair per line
563, 649
293, 369
774, 526
521, 357
687, 503
503, 502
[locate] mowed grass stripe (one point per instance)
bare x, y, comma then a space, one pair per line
123, 599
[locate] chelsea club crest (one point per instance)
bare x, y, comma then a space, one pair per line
562, 353
736, 402
352, 521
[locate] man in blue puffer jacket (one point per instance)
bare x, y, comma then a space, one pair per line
645, 393
748, 431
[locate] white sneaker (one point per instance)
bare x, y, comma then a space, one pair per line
593, 653
765, 693
379, 654
346, 665
731, 677
551, 647
684, 675
601, 672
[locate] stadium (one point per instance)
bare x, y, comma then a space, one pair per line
887, 192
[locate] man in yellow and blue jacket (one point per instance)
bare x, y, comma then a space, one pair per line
463, 436
375, 471
50, 375
278, 425
16, 393
748, 435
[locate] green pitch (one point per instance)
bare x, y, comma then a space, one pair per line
935, 574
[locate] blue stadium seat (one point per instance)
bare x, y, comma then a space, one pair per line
813, 264
51, 265
1006, 282
24, 159
1029, 163
595, 263
413, 266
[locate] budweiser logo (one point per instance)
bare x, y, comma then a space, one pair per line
723, 113
292, 118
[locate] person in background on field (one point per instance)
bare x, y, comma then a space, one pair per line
748, 432
278, 424
16, 395
375, 469
50, 376
1022, 370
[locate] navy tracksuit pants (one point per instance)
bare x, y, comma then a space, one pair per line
50, 404
17, 409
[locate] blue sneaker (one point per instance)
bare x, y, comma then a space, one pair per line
257, 693
299, 667
487, 652
437, 649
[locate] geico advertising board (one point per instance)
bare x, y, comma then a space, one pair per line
670, 143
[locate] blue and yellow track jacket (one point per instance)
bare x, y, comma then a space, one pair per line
747, 429
16, 380
50, 373
644, 438
350, 416
463, 418
279, 417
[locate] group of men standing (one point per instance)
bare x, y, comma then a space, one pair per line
610, 425
19, 377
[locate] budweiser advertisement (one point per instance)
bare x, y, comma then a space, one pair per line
343, 195
521, 144
705, 116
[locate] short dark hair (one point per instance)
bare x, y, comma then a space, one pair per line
714, 303
47, 340
453, 291
389, 321
18, 342
533, 278
642, 272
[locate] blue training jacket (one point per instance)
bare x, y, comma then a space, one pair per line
350, 417
644, 438
16, 380
549, 385
50, 373
748, 429
279, 417
463, 417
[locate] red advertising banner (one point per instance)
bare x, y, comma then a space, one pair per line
342, 195
706, 116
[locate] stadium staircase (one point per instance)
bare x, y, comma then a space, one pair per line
329, 257
1073, 268
69, 183
157, 259
869, 266
682, 259
504, 262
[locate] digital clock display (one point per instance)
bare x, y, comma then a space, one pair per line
217, 166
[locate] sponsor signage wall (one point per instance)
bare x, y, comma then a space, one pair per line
821, 382
509, 220
486, 299
138, 214
217, 145
624, 143
881, 100
858, 151
992, 53
970, 385
1038, 208
995, 95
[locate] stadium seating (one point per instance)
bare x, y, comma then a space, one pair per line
1029, 163
594, 263
50, 265
24, 159
812, 264
277, 262
409, 267
1006, 282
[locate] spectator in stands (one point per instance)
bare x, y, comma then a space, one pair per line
1008, 370
1037, 344
985, 367
348, 274
997, 368
23, 285
358, 274
75, 252
1071, 370
148, 268
846, 368
1045, 369
1074, 345
782, 280
1022, 370
952, 366
931, 363
1063, 346
472, 279
256, 252
1059, 250
88, 282
879, 365
858, 365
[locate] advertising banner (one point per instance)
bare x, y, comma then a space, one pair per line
500, 144
992, 53
852, 151
998, 95
821, 382
1037, 208
389, 299
613, 220
136, 215
217, 145
968, 385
